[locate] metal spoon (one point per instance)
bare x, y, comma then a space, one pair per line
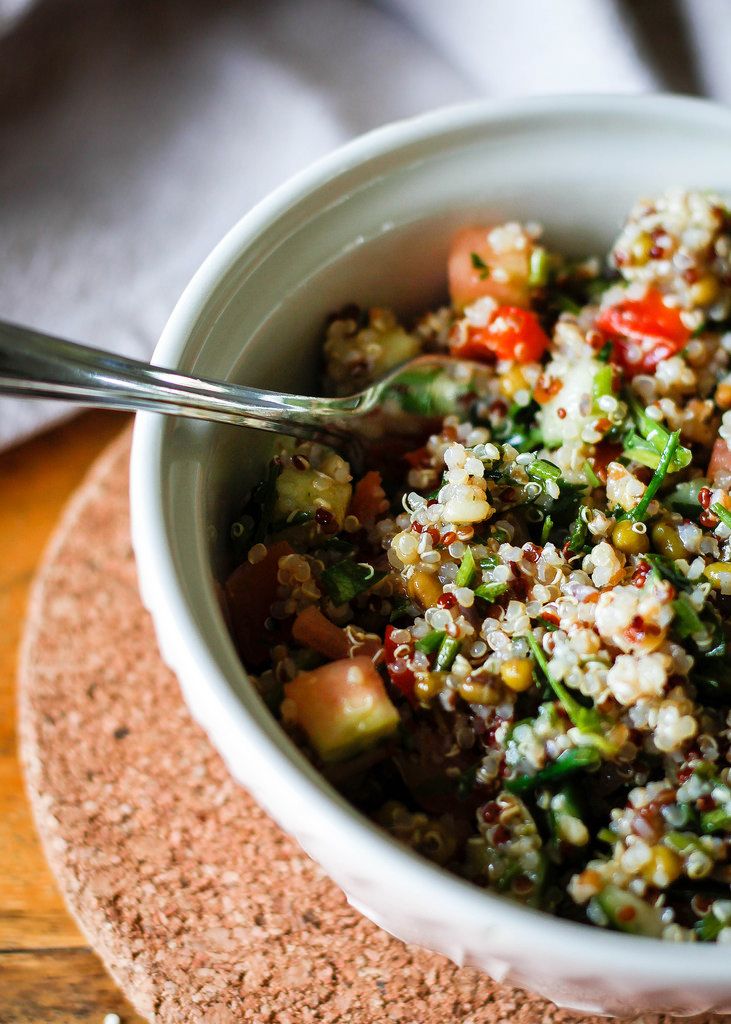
38, 365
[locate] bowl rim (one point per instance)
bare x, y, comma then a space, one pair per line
605, 950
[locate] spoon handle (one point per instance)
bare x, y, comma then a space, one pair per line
37, 365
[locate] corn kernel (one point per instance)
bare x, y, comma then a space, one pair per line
641, 248
667, 541
512, 382
719, 573
424, 588
477, 693
628, 540
705, 291
723, 396
517, 673
663, 867
428, 687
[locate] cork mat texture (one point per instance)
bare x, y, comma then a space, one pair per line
200, 907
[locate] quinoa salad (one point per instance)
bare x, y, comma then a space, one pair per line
506, 639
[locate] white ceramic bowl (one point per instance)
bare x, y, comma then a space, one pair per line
371, 223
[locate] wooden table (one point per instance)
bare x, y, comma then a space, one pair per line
48, 974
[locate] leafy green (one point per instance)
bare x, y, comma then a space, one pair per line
571, 761
404, 609
542, 469
546, 529
431, 642
345, 580
723, 513
708, 928
717, 820
566, 304
519, 428
586, 720
684, 498
668, 453
448, 651
489, 591
467, 570
650, 439
425, 392
563, 509
255, 522
591, 478
479, 264
663, 568
578, 533
687, 621
602, 385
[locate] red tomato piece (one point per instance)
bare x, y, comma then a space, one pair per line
512, 333
472, 265
398, 670
645, 331
719, 468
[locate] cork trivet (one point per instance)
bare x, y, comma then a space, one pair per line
202, 909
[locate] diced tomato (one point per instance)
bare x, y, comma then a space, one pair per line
605, 453
512, 333
645, 331
250, 591
389, 646
472, 270
719, 468
398, 670
369, 498
418, 457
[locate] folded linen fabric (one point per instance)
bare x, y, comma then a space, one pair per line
134, 135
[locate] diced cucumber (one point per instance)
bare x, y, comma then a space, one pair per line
306, 490
395, 347
575, 397
343, 707
628, 913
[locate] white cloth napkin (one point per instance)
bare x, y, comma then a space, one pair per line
133, 135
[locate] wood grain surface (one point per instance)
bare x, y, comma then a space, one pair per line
48, 975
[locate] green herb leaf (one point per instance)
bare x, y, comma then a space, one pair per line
566, 304
638, 513
546, 529
602, 385
591, 477
587, 720
571, 761
723, 513
708, 928
605, 352
578, 532
687, 621
664, 568
490, 591
403, 610
541, 469
345, 580
655, 438
479, 264
448, 651
431, 642
717, 820
467, 570
684, 498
